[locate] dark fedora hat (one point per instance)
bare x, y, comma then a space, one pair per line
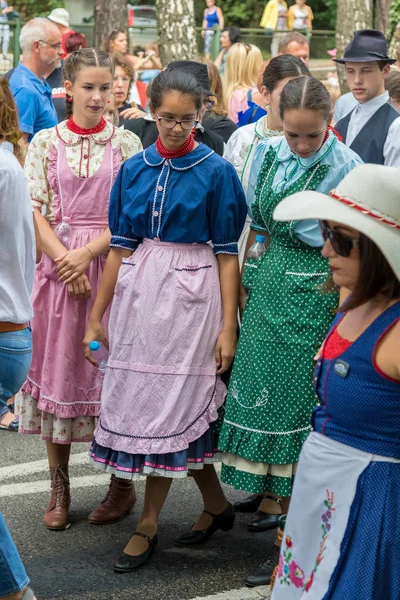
367, 45
196, 69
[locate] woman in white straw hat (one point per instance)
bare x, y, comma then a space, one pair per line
342, 528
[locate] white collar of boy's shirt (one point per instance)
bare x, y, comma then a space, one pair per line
370, 107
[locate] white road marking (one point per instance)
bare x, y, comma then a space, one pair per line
259, 593
38, 466
36, 487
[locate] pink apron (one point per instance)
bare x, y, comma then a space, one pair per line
161, 391
60, 378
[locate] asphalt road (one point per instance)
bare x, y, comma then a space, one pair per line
76, 564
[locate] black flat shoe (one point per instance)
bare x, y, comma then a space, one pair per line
223, 521
126, 562
264, 522
262, 576
248, 505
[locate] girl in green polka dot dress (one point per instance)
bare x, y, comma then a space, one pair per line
287, 313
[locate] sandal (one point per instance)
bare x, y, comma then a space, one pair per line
13, 426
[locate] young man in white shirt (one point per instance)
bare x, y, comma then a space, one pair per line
372, 128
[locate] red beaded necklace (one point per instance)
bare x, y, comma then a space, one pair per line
185, 149
72, 126
328, 129
339, 137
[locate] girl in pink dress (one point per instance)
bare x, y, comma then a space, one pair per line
70, 170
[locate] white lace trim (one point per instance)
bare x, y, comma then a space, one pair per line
308, 428
306, 274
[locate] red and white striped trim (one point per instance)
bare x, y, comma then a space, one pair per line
366, 210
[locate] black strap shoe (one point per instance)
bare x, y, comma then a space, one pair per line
248, 505
264, 522
126, 562
262, 576
223, 521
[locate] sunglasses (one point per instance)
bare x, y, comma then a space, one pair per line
341, 244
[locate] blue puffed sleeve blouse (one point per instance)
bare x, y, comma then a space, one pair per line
196, 198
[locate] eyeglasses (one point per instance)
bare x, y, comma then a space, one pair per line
55, 46
247, 47
341, 244
171, 123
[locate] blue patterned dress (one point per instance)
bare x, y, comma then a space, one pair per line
342, 531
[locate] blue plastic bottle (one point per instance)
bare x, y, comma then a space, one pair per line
257, 249
101, 355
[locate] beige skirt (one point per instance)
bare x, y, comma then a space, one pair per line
51, 428
249, 467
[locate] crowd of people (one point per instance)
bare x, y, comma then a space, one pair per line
149, 204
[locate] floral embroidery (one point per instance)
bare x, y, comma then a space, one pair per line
296, 574
289, 571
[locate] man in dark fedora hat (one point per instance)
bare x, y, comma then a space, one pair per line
372, 128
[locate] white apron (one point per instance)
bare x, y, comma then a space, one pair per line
323, 492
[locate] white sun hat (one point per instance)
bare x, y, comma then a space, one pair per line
60, 16
367, 200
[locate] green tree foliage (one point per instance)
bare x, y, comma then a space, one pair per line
37, 8
247, 13
394, 17
324, 14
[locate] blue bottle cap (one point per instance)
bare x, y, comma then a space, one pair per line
260, 238
95, 346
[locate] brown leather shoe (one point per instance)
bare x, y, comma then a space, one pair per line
118, 502
56, 516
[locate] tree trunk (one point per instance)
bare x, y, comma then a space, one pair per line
176, 30
382, 9
351, 15
108, 14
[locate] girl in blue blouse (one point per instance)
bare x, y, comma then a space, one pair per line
173, 317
